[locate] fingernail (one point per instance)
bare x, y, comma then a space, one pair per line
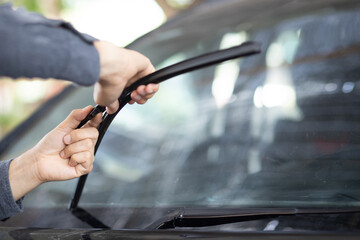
62, 154
67, 139
137, 97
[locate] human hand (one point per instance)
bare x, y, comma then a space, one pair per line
119, 68
64, 153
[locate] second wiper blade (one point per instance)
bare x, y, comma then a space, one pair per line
204, 217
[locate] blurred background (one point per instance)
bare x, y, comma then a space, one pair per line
117, 21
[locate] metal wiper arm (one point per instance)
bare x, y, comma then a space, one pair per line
243, 50
216, 216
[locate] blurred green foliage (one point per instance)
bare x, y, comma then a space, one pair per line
7, 122
35, 5
31, 5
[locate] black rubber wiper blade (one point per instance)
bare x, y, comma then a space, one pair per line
208, 59
211, 217
243, 50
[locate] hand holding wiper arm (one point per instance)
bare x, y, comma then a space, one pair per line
243, 50
119, 68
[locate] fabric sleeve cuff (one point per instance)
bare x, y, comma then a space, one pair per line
8, 206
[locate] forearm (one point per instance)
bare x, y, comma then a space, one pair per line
33, 46
23, 175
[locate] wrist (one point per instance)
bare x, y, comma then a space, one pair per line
23, 176
113, 77
112, 60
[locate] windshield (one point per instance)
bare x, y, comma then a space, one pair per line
277, 129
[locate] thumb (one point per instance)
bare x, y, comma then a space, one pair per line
74, 118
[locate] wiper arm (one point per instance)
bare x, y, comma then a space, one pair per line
211, 217
243, 50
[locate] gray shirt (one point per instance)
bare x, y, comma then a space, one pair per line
33, 46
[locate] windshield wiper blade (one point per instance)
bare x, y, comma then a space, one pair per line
205, 217
243, 50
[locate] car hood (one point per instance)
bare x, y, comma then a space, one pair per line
69, 234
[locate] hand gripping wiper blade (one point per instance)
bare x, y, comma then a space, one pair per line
204, 217
208, 59
205, 60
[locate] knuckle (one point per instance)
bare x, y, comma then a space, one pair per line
88, 155
88, 143
75, 134
74, 111
94, 132
68, 151
75, 158
83, 171
72, 162
147, 60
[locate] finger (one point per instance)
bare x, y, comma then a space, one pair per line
95, 122
81, 146
113, 107
83, 159
81, 170
143, 93
81, 134
150, 90
74, 118
138, 98
141, 90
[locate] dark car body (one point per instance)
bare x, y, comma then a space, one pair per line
264, 147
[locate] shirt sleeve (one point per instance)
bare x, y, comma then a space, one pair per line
34, 46
8, 206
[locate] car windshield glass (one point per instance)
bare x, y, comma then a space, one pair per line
276, 129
